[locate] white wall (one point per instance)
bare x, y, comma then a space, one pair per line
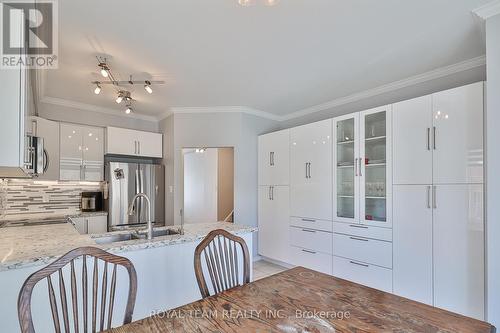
236, 130
493, 168
71, 115
167, 128
200, 185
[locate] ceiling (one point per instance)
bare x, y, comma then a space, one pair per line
278, 59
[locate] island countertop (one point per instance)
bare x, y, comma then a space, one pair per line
27, 246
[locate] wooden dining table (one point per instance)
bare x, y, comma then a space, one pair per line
302, 300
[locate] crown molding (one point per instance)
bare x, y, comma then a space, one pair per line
408, 82
488, 10
93, 108
225, 109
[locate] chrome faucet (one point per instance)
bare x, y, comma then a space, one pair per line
130, 211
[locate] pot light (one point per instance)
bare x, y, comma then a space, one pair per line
270, 2
147, 87
97, 89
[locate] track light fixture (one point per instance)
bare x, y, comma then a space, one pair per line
104, 68
97, 89
119, 99
128, 110
147, 87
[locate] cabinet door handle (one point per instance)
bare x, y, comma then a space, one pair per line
306, 171
270, 158
359, 239
358, 226
135, 147
308, 230
428, 197
309, 169
139, 147
308, 220
309, 251
434, 200
273, 158
359, 264
428, 138
86, 226
434, 137
360, 167
356, 166
272, 192
269, 193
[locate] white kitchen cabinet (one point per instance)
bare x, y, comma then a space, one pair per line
458, 242
274, 158
412, 233
458, 135
366, 274
439, 138
81, 152
363, 169
412, 141
91, 224
346, 168
311, 170
122, 141
311, 259
316, 240
49, 131
362, 249
274, 222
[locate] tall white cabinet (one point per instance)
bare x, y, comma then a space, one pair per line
438, 200
274, 195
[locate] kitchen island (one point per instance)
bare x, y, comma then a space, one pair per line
164, 266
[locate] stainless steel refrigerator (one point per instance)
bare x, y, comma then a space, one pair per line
126, 180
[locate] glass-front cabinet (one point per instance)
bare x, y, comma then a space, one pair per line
362, 168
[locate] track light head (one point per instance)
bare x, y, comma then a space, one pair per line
104, 69
147, 87
97, 89
119, 99
128, 110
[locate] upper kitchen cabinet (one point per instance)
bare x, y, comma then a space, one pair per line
412, 124
123, 141
81, 153
457, 138
439, 138
49, 131
311, 170
274, 158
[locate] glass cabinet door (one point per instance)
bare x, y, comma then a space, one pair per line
374, 168
346, 152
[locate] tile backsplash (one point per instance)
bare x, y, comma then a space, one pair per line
22, 198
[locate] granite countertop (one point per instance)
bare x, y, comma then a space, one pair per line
27, 246
36, 218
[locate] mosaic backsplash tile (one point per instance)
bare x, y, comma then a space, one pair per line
21, 198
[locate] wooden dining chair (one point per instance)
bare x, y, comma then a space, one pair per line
220, 254
55, 271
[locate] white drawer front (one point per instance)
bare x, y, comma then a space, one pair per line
316, 261
363, 249
303, 222
362, 230
319, 241
368, 275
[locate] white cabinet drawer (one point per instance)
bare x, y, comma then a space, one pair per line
316, 261
362, 230
363, 249
318, 241
311, 223
368, 275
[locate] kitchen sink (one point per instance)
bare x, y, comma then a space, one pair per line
130, 236
158, 233
115, 238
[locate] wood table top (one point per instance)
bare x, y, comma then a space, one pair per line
302, 300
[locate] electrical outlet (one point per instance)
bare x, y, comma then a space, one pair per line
45, 198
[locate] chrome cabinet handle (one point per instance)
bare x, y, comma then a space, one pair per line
428, 197
360, 167
428, 138
359, 264
309, 169
139, 147
356, 166
308, 251
434, 137
270, 158
272, 192
135, 147
359, 239
306, 170
308, 220
311, 231
434, 200
269, 193
358, 226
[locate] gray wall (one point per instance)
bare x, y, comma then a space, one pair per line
236, 130
448, 82
71, 115
493, 168
166, 127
